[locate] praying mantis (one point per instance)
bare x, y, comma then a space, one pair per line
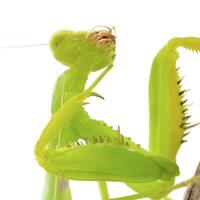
75, 146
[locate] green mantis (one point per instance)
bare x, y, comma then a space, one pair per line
75, 146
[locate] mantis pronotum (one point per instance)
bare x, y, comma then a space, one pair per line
74, 146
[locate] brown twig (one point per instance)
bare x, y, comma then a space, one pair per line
193, 191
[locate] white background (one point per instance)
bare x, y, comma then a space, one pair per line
27, 76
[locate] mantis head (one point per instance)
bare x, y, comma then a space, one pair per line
90, 50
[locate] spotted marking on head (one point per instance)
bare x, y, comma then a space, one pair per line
103, 36
64, 183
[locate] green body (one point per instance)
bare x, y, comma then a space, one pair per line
74, 146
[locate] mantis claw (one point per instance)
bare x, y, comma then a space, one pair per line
97, 95
85, 103
87, 94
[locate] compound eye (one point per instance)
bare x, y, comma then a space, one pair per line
57, 39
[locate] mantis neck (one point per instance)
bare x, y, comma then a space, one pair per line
74, 81
69, 83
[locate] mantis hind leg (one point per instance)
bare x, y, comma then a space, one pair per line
56, 188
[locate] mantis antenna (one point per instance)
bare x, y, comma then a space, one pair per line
24, 46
